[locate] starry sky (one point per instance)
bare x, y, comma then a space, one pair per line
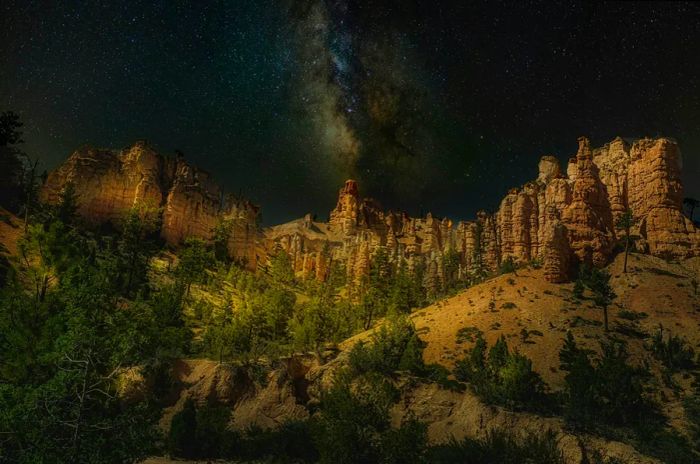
431, 105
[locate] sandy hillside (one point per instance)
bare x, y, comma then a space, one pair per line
534, 315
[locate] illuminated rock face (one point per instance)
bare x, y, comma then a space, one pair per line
108, 183
560, 219
563, 220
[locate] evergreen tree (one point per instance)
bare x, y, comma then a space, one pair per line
222, 233
450, 263
281, 269
134, 250
12, 169
67, 207
194, 260
625, 223
603, 294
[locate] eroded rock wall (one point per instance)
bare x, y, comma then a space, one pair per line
560, 219
108, 183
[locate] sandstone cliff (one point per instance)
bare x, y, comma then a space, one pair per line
558, 219
109, 182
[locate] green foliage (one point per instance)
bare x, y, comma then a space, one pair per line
395, 346
674, 352
201, 433
598, 282
291, 442
499, 446
507, 266
610, 391
691, 406
67, 206
502, 377
183, 429
406, 444
133, 251
354, 424
194, 260
632, 315
222, 232
12, 168
450, 263
281, 268
59, 378
324, 318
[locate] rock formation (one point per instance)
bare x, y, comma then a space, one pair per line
558, 219
108, 183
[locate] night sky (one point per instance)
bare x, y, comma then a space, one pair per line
430, 106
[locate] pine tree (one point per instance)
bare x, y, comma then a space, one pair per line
603, 294
625, 223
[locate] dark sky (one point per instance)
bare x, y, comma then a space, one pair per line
432, 106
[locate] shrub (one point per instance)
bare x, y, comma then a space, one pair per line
354, 415
507, 266
291, 442
632, 315
396, 346
468, 334
609, 392
405, 444
502, 377
499, 446
182, 430
201, 433
674, 352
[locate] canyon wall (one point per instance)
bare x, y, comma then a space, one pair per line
108, 183
560, 219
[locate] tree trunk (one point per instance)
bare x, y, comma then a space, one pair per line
605, 317
627, 252
81, 408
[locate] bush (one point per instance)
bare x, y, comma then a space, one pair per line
354, 415
405, 444
396, 346
507, 266
674, 352
291, 442
503, 377
182, 430
201, 433
632, 315
608, 392
501, 447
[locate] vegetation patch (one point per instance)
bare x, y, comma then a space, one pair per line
664, 272
468, 334
632, 315
502, 377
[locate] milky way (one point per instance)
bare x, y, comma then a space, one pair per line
431, 106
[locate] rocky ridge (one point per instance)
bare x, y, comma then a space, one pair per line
559, 219
108, 183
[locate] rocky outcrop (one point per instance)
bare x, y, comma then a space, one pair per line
559, 219
108, 183
293, 389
